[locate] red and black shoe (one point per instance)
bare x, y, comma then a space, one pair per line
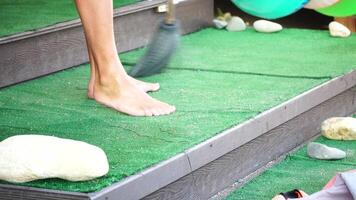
293, 194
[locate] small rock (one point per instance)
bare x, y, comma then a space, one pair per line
338, 30
267, 26
339, 128
236, 24
219, 23
25, 158
323, 152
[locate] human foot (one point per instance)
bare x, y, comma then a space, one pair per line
143, 86
126, 97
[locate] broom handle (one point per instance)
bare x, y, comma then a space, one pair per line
170, 17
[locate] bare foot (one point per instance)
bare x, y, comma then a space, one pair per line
143, 86
126, 97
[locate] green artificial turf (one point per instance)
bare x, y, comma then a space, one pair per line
290, 53
298, 171
17, 16
208, 93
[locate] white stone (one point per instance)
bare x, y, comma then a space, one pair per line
26, 158
338, 30
178, 1
323, 152
339, 128
267, 26
317, 4
219, 23
236, 24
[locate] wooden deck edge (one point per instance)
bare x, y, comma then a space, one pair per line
118, 12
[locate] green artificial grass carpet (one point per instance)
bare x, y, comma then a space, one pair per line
208, 101
291, 53
17, 16
298, 171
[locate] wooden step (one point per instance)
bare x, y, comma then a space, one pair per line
36, 53
207, 168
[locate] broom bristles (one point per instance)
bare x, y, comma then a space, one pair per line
163, 45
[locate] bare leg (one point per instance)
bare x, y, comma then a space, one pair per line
111, 85
144, 86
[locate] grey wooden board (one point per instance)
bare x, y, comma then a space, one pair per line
206, 181
32, 54
147, 181
139, 6
9, 192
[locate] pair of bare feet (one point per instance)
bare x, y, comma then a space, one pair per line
125, 94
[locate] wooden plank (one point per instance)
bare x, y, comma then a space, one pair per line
33, 54
146, 182
133, 8
136, 30
182, 189
9, 192
29, 58
239, 163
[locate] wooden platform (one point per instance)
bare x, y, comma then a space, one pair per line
203, 170
32, 54
207, 168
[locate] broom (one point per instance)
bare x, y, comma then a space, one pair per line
161, 47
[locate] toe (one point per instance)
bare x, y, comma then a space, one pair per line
151, 87
155, 86
168, 109
130, 110
157, 112
148, 112
172, 109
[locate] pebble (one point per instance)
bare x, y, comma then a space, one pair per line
339, 128
338, 30
236, 24
219, 24
323, 152
267, 26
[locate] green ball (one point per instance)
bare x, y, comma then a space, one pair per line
270, 9
344, 8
